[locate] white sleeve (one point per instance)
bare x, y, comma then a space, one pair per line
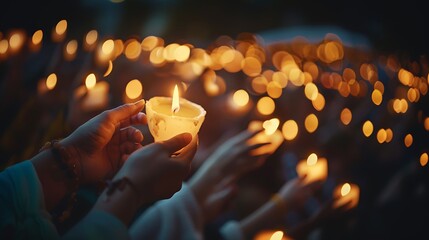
179, 217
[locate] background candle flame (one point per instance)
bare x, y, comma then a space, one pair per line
312, 159
271, 126
90, 81
175, 106
345, 189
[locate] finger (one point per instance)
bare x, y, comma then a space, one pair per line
131, 134
138, 119
176, 143
124, 112
244, 136
129, 147
188, 152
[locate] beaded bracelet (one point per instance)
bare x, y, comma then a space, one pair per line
73, 169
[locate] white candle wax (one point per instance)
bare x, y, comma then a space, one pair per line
164, 124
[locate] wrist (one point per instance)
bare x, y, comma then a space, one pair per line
121, 199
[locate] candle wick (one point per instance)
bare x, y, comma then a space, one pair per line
175, 110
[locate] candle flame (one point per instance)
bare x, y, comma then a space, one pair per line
345, 189
90, 81
278, 235
312, 159
175, 106
271, 126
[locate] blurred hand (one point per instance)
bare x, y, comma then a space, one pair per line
155, 171
229, 161
295, 192
105, 141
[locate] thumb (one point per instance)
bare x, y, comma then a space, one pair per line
177, 142
125, 111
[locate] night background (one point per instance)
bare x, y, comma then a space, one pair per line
391, 38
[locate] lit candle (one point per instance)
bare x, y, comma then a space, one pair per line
271, 235
315, 168
346, 193
168, 117
270, 135
94, 95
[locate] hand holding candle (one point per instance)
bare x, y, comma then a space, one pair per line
315, 168
168, 117
346, 193
270, 135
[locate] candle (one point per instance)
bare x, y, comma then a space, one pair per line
94, 95
315, 168
168, 117
271, 235
270, 135
346, 193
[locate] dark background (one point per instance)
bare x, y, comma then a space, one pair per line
390, 26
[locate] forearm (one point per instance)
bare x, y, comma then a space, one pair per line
267, 215
55, 182
122, 202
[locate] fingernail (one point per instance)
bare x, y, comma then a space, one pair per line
139, 102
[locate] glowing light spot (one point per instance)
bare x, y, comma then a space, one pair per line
311, 123
71, 47
169, 52
16, 41
271, 125
312, 159
265, 106
319, 102
107, 47
182, 53
51, 81
278, 235
346, 116
296, 76
132, 50
408, 140
259, 84
240, 97
345, 189
381, 135
274, 89
426, 123
90, 81
91, 37
4, 45
134, 89
424, 159
367, 128
281, 78
405, 77
157, 55
290, 130
150, 42
389, 135
37, 37
251, 66
61, 27
376, 97
311, 91
109, 69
